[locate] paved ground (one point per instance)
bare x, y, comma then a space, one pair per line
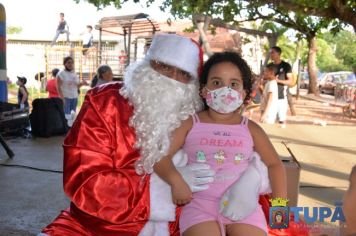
30, 199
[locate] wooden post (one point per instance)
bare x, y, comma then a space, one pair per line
99, 47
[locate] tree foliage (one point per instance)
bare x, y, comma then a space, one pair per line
344, 47
13, 30
342, 10
335, 52
308, 17
288, 48
103, 3
326, 59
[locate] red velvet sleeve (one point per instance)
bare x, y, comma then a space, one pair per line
99, 157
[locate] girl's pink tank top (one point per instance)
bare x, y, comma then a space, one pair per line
226, 148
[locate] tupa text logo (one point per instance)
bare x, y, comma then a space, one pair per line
279, 216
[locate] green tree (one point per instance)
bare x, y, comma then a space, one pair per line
326, 59
307, 25
13, 30
342, 10
306, 16
277, 32
343, 45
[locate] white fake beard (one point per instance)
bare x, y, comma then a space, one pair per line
160, 105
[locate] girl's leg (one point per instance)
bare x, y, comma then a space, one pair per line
244, 229
66, 107
208, 228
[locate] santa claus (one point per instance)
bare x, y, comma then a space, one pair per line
122, 130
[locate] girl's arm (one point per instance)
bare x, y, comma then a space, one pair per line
269, 156
165, 169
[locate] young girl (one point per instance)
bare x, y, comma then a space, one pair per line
68, 86
22, 94
222, 138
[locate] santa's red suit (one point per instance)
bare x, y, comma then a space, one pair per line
107, 197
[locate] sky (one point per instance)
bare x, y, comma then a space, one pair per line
41, 16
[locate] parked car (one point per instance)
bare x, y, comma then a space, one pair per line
346, 90
329, 81
350, 80
304, 79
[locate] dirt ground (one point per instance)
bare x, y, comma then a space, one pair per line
308, 111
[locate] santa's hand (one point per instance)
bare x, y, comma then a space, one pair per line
241, 199
197, 175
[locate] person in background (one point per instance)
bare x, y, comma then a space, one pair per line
104, 75
94, 81
284, 78
269, 104
122, 61
51, 86
22, 94
62, 28
87, 40
41, 78
68, 85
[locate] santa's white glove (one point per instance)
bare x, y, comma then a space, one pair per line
197, 175
22, 106
241, 199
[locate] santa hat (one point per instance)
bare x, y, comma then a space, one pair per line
177, 51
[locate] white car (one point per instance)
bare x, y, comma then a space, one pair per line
329, 80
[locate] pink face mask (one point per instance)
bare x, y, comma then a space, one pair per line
224, 100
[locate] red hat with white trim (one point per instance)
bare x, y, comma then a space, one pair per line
178, 51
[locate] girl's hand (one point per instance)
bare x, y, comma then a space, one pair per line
181, 193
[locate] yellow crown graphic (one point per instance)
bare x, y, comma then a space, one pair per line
278, 201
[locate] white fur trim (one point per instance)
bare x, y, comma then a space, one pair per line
154, 228
161, 205
177, 51
263, 171
162, 208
